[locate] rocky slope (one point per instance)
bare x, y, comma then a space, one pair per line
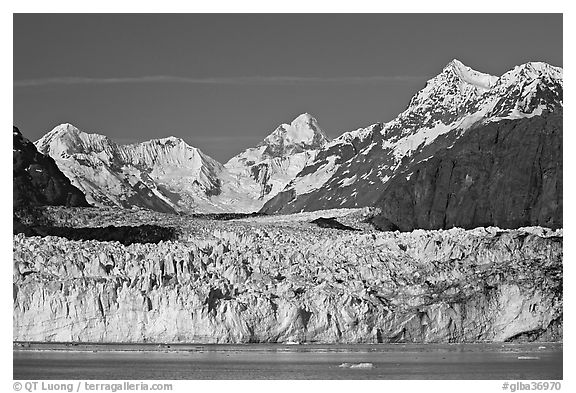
36, 179
506, 173
354, 169
243, 282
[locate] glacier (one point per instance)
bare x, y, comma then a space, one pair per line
255, 280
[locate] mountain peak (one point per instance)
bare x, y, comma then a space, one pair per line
70, 133
456, 85
304, 128
66, 139
303, 133
534, 69
470, 76
456, 64
65, 128
304, 118
170, 140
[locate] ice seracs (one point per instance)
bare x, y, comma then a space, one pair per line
242, 282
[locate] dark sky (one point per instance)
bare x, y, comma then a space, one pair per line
224, 81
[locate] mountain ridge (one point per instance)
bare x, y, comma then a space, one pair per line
436, 117
168, 175
297, 167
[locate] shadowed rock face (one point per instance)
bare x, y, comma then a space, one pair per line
268, 285
125, 234
324, 222
354, 169
507, 174
37, 180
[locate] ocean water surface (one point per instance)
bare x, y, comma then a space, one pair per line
534, 361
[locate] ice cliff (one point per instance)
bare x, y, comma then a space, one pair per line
237, 284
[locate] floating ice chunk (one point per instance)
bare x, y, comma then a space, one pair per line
356, 365
362, 365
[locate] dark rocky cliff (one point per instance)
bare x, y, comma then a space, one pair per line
37, 180
507, 174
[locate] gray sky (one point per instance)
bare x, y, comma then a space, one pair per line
224, 81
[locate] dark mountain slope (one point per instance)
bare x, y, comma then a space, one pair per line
354, 169
507, 174
37, 180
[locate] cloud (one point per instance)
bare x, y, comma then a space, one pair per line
235, 80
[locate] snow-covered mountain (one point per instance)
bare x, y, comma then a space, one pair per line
296, 167
168, 175
266, 169
353, 169
161, 174
304, 133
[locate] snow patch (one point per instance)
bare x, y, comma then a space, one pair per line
411, 142
347, 181
317, 179
367, 149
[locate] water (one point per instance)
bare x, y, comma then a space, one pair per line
264, 361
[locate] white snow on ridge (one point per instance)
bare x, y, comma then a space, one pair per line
349, 136
367, 149
199, 182
494, 88
531, 71
262, 172
411, 142
473, 77
300, 130
303, 131
90, 162
516, 114
459, 96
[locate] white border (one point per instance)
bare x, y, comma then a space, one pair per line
244, 6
